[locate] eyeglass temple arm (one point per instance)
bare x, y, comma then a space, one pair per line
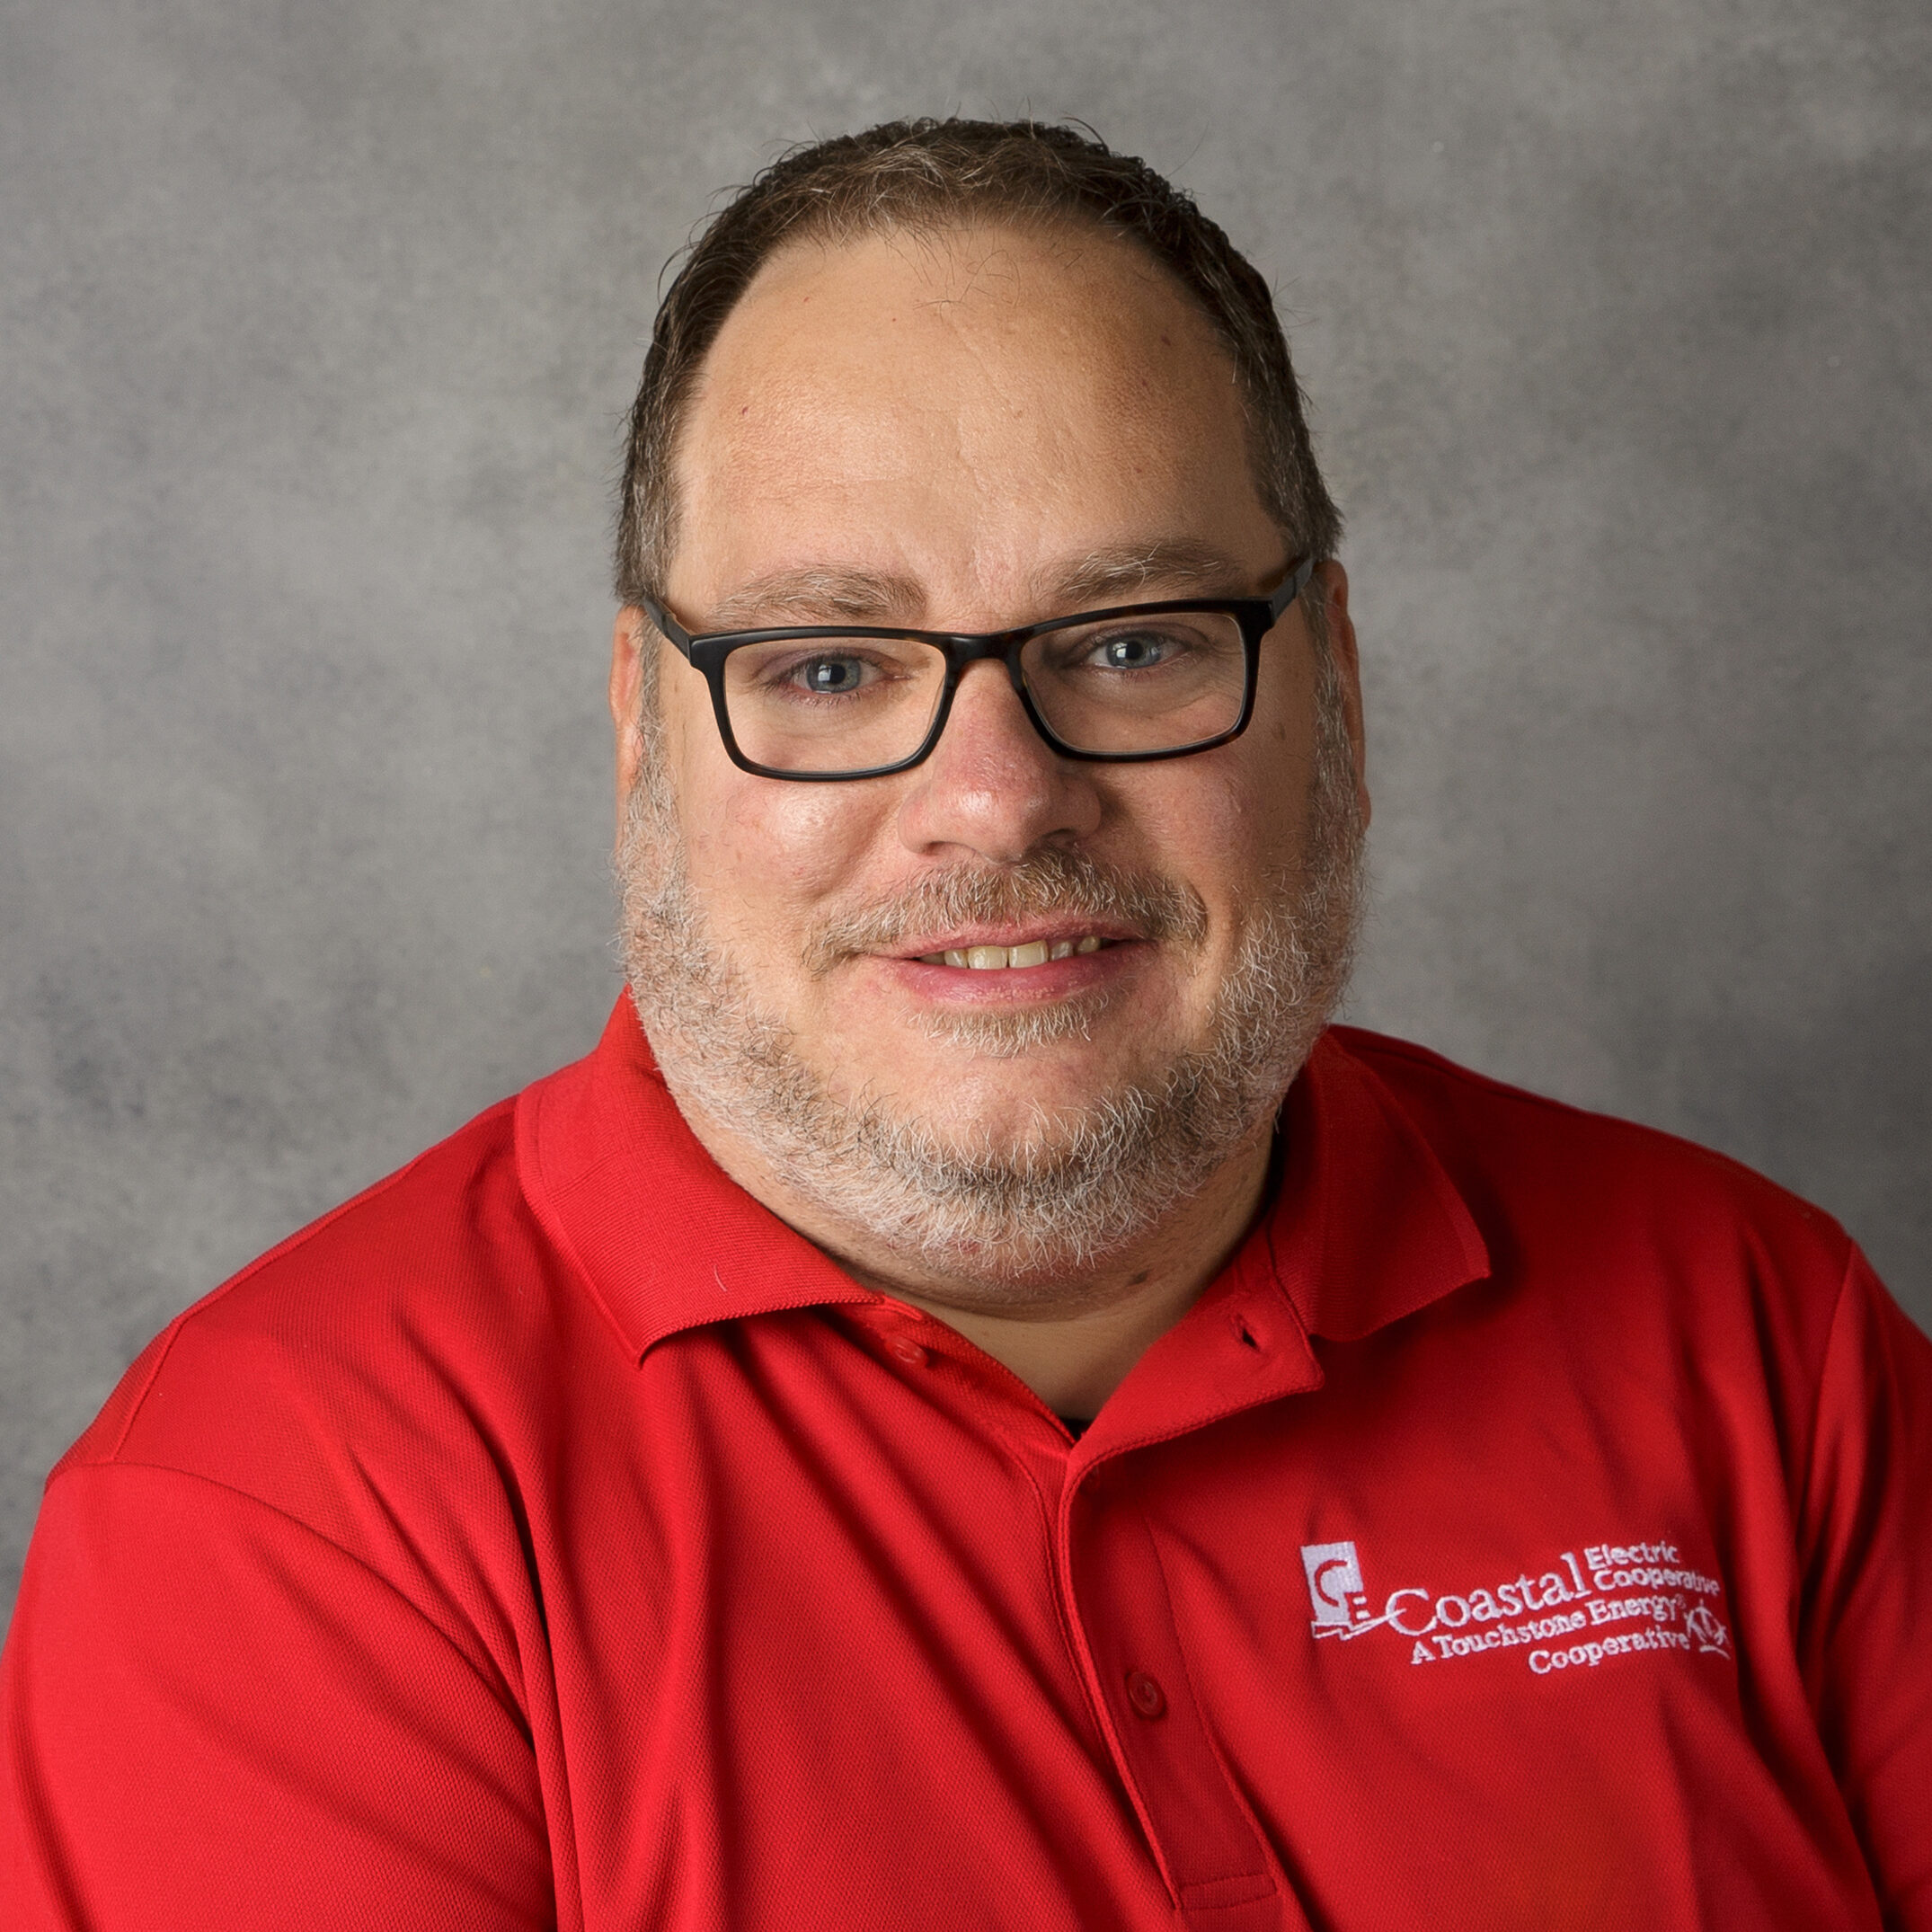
1292, 587
667, 623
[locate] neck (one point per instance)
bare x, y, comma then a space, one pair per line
1071, 1341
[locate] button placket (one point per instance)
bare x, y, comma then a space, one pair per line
1205, 1840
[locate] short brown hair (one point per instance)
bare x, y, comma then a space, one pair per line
922, 174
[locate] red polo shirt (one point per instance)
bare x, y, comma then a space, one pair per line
1532, 1527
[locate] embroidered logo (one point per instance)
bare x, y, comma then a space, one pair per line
1334, 1570
1704, 1623
1553, 1618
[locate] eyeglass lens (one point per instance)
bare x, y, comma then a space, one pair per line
831, 704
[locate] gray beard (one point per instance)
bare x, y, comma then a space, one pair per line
1025, 1217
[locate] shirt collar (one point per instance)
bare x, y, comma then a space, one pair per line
665, 1238
1366, 1226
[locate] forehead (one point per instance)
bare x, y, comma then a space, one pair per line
959, 404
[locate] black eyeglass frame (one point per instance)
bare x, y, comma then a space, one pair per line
1256, 615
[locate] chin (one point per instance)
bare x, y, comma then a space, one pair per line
1006, 1079
1012, 1035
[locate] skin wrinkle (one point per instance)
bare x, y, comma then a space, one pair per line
948, 246
950, 307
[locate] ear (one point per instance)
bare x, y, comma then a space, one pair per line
630, 636
1331, 582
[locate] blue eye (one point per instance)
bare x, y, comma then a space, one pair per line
831, 676
1134, 650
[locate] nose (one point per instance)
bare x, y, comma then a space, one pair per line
993, 787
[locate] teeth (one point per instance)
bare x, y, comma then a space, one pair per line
993, 959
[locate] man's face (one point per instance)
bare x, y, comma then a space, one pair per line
968, 433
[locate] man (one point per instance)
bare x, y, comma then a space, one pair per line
970, 1408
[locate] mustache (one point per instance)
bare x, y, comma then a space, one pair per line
1050, 880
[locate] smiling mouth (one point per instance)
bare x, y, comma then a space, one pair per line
1000, 958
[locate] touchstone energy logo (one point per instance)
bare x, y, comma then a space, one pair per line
1554, 1617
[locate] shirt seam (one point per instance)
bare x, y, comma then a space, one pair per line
1825, 1360
113, 1458
289, 1244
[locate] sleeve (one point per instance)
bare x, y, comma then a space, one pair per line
212, 1716
1865, 1622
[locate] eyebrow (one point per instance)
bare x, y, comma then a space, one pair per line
819, 594
841, 594
1127, 571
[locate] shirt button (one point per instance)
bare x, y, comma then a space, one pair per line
1146, 1695
908, 1352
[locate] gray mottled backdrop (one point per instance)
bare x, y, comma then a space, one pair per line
319, 321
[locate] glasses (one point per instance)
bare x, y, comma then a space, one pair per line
1140, 682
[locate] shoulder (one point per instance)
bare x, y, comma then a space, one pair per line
413, 1242
382, 1376
1520, 1157
1680, 1296
1637, 1252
